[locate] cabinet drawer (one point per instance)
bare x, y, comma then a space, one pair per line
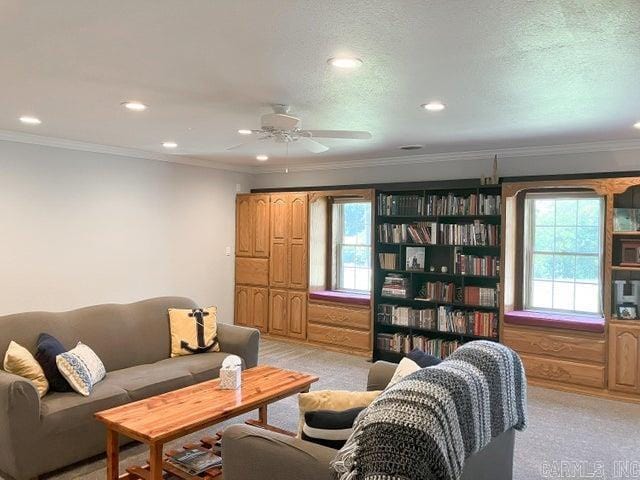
563, 371
252, 271
340, 316
342, 337
584, 348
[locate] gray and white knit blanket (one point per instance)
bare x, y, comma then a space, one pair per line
426, 425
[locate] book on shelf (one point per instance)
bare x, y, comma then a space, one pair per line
401, 343
480, 324
452, 205
626, 219
406, 316
414, 258
396, 285
388, 261
437, 292
480, 265
401, 205
481, 296
421, 233
195, 460
472, 234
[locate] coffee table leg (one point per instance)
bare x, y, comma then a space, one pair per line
155, 461
263, 415
113, 453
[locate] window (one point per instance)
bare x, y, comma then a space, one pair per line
352, 245
563, 252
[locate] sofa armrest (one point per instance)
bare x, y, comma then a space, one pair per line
252, 453
19, 419
240, 341
380, 375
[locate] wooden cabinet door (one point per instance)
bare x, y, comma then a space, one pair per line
279, 265
297, 310
260, 225
260, 308
278, 312
243, 225
624, 358
243, 306
280, 213
298, 258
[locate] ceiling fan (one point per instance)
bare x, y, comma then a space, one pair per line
280, 127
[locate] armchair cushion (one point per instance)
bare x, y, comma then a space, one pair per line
329, 428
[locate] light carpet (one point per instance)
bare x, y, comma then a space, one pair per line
569, 436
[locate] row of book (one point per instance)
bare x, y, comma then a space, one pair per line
486, 265
438, 292
482, 296
396, 285
433, 233
474, 204
437, 205
482, 324
444, 319
388, 261
402, 205
400, 343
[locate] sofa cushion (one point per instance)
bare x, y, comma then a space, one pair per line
48, 349
204, 366
67, 410
144, 381
193, 330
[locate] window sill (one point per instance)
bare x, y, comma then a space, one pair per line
341, 297
555, 320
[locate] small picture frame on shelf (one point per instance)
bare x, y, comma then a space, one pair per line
630, 254
625, 220
627, 312
415, 259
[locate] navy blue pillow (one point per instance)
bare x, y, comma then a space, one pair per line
47, 350
423, 359
329, 428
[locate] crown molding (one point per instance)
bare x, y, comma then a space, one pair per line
19, 137
566, 149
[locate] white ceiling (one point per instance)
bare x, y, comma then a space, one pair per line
512, 73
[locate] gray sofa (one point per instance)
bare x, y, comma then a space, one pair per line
252, 453
133, 341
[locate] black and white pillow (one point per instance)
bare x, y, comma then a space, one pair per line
328, 427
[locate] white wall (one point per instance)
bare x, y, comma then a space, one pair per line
623, 160
79, 228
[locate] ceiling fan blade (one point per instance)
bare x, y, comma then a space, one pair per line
248, 144
311, 145
347, 134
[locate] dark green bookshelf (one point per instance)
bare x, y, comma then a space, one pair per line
437, 255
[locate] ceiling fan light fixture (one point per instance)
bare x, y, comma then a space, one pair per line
245, 131
345, 62
435, 106
262, 157
134, 106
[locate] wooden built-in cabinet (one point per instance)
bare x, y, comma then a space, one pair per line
251, 306
252, 225
624, 357
347, 327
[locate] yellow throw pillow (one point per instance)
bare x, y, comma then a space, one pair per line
19, 361
193, 331
336, 400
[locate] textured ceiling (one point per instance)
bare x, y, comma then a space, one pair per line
512, 72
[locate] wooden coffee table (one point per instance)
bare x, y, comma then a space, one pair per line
157, 420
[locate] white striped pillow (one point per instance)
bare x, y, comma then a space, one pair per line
82, 368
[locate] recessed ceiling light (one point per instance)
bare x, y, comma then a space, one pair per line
345, 62
434, 106
244, 131
135, 106
411, 147
169, 144
262, 158
29, 120
636, 125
